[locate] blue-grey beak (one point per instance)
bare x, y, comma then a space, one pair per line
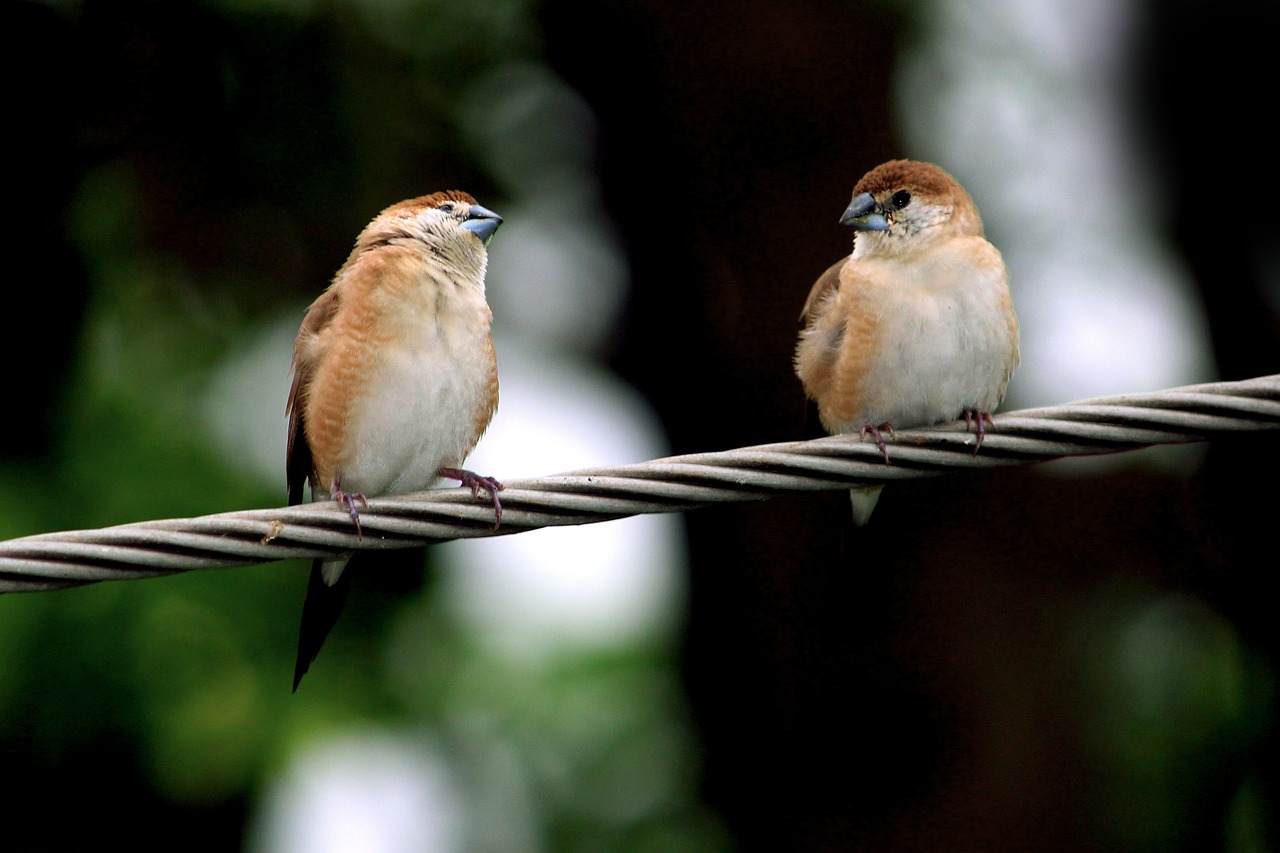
482, 222
861, 215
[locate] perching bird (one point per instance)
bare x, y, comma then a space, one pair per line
394, 376
916, 326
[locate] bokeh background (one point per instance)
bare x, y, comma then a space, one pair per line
1076, 656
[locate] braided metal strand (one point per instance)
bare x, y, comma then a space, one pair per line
1107, 425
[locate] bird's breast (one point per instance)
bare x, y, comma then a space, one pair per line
922, 343
412, 388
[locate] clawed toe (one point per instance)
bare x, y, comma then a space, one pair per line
475, 482
982, 420
347, 500
877, 433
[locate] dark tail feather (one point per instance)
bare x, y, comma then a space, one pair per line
320, 611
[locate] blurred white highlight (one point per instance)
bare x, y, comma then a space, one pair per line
1023, 102
361, 792
601, 584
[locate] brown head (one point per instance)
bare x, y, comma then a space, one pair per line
899, 203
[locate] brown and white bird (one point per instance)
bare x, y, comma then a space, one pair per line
916, 326
394, 376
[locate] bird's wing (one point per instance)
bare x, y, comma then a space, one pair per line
298, 462
826, 285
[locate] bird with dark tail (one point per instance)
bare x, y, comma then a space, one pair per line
394, 377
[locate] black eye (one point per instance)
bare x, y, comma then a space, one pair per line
447, 207
900, 199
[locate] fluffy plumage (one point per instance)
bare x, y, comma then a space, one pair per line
916, 326
394, 375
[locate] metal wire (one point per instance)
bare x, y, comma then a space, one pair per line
678, 483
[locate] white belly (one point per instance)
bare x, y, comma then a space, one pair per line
419, 412
944, 350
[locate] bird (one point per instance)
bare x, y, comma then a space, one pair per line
916, 326
394, 377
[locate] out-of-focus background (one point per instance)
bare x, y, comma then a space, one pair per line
1074, 656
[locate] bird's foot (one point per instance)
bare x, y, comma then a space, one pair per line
982, 420
475, 482
347, 500
877, 432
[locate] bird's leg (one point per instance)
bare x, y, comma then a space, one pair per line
475, 482
877, 434
347, 500
973, 416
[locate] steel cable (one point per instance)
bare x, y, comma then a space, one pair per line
678, 483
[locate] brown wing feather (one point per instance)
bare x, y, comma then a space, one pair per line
298, 461
827, 283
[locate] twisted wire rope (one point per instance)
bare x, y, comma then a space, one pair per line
674, 484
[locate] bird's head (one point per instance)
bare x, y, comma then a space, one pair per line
904, 204
449, 227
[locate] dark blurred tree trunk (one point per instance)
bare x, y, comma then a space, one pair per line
902, 686
46, 284
1215, 156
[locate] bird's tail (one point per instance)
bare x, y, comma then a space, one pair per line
326, 594
864, 502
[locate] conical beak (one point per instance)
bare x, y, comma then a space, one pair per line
861, 215
482, 222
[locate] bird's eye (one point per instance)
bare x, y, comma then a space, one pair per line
447, 207
900, 199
